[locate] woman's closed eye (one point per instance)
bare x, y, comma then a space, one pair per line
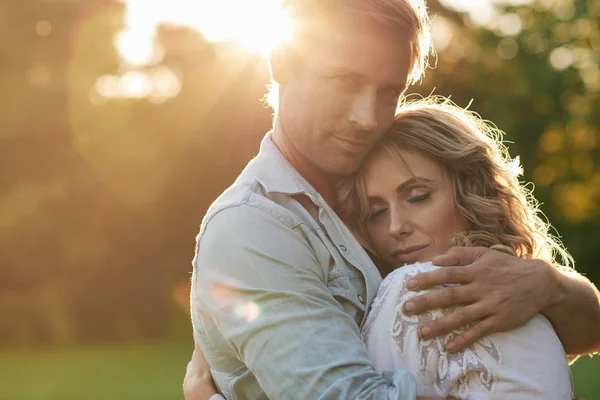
377, 212
419, 198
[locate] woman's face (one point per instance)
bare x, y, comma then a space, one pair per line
412, 213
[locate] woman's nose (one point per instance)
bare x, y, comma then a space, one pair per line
399, 224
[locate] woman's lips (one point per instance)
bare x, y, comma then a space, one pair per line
409, 254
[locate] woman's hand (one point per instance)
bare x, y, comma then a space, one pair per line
198, 383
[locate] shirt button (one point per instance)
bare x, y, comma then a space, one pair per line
361, 299
343, 247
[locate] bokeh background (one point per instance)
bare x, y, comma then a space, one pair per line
120, 122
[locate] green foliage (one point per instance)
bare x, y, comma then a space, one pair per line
585, 377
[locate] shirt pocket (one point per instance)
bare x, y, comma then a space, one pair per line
346, 290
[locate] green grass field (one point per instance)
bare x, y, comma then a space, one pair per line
112, 372
144, 371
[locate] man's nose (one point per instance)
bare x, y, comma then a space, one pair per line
364, 112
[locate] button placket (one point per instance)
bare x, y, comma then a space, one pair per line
346, 252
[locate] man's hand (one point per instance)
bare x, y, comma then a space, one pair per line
499, 292
198, 383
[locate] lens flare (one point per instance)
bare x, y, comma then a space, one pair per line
248, 311
255, 25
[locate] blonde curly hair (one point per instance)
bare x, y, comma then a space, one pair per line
502, 212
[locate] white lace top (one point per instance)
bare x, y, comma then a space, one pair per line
521, 364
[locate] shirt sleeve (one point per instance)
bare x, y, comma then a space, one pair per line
259, 281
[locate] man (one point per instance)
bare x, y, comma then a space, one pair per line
280, 285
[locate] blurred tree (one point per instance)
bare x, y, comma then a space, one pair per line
70, 266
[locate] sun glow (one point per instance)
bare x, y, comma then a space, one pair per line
255, 25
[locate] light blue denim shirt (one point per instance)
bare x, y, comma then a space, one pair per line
279, 292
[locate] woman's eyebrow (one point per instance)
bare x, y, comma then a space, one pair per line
415, 180
374, 199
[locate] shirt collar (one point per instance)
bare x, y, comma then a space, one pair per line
274, 172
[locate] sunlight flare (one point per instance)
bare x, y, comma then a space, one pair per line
255, 25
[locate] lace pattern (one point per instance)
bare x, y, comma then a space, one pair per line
450, 373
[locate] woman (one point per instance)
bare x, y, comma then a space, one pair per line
439, 178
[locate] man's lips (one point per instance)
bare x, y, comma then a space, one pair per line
353, 143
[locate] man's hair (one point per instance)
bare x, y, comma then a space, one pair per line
407, 17
502, 212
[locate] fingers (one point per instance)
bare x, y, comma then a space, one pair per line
198, 365
442, 276
199, 360
476, 332
459, 256
441, 298
459, 318
198, 383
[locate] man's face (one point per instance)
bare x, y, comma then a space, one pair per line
344, 97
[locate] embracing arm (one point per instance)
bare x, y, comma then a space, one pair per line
259, 282
502, 292
574, 311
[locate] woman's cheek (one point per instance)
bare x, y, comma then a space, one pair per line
375, 236
384, 238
